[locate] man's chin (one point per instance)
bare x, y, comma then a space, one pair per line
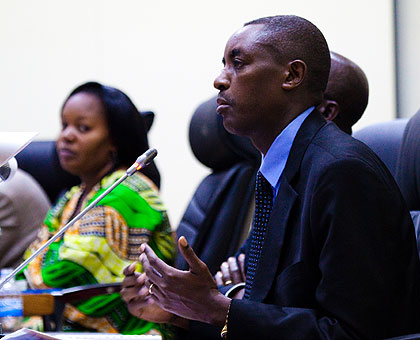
232, 128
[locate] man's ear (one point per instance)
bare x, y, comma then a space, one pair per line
296, 72
329, 109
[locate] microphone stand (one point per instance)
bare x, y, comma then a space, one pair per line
141, 162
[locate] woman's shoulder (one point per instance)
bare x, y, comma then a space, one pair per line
134, 188
136, 182
140, 182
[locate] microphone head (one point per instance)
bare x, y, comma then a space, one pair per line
142, 161
146, 158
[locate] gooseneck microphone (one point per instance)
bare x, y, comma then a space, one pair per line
142, 161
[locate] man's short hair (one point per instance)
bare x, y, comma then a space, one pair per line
349, 87
290, 37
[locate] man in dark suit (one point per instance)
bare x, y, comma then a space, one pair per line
332, 253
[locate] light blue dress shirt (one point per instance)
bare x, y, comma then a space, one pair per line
274, 161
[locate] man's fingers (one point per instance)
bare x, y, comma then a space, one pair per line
130, 269
152, 264
143, 293
141, 279
219, 278
224, 268
235, 273
154, 291
132, 287
130, 294
131, 280
241, 260
196, 265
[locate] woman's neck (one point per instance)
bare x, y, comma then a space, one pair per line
89, 181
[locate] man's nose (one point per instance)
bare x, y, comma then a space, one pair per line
222, 81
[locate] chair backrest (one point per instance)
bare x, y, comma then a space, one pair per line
385, 140
40, 159
215, 217
408, 172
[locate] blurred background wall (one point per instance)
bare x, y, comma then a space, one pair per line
165, 56
407, 47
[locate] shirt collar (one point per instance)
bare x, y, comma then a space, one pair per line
274, 162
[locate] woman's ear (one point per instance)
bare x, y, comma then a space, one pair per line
296, 72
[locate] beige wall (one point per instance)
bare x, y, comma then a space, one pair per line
408, 53
164, 55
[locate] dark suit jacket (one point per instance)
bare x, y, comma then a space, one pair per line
339, 259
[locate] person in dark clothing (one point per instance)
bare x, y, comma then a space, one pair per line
332, 253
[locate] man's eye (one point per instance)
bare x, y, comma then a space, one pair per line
63, 126
237, 63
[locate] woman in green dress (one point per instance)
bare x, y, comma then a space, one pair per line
102, 134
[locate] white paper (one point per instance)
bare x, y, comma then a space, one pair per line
28, 334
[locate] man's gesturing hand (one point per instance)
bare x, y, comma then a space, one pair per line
191, 294
136, 294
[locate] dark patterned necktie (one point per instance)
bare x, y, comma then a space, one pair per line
263, 206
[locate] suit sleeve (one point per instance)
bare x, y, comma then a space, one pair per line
367, 261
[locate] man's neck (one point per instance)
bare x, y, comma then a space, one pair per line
262, 140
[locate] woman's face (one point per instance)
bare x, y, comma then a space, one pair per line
84, 146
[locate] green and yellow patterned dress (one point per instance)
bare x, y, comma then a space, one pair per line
98, 247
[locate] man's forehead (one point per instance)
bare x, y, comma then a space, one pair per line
249, 31
247, 35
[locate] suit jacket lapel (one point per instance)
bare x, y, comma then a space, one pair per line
279, 219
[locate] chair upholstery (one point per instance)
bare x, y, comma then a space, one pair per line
408, 174
385, 140
408, 170
40, 159
216, 215
408, 179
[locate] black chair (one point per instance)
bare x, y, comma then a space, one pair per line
408, 174
385, 140
216, 216
398, 145
40, 159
